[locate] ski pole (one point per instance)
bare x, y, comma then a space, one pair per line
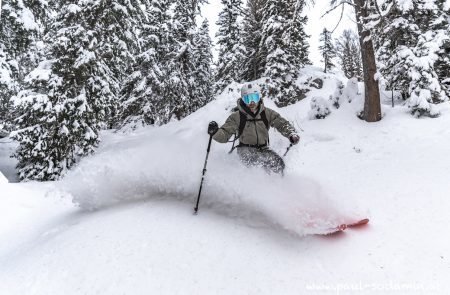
203, 175
287, 150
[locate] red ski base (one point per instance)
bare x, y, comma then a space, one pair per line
344, 226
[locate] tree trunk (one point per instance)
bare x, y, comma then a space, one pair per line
372, 106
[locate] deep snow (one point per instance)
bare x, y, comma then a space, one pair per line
135, 232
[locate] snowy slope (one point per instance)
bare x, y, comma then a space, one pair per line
131, 229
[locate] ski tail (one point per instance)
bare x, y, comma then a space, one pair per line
344, 226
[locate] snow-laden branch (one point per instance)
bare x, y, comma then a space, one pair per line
336, 5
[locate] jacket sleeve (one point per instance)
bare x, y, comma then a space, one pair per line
229, 128
281, 124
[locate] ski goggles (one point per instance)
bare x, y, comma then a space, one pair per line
248, 98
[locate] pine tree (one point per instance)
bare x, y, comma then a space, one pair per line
72, 95
425, 86
356, 65
280, 63
349, 54
22, 25
231, 52
180, 85
388, 42
410, 50
297, 37
254, 52
203, 61
443, 68
257, 27
443, 63
7, 87
142, 102
327, 49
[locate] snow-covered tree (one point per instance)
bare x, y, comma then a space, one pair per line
180, 85
389, 37
22, 25
203, 61
336, 96
273, 35
425, 86
254, 59
411, 51
230, 52
349, 54
280, 67
327, 49
72, 95
320, 108
142, 101
7, 87
442, 65
297, 37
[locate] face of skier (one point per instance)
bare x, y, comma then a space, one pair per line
253, 106
252, 101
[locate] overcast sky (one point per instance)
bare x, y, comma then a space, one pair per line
314, 27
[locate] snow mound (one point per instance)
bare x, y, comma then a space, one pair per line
320, 108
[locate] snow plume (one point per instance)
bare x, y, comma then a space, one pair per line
164, 168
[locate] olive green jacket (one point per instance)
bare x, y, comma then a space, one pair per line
255, 132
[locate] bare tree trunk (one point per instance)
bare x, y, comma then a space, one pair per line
372, 106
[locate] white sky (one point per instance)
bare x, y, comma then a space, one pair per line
314, 27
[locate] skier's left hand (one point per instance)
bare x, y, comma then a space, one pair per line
294, 138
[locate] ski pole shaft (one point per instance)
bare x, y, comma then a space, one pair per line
287, 150
203, 175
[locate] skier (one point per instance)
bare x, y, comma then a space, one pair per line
251, 123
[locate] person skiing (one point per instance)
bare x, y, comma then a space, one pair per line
251, 123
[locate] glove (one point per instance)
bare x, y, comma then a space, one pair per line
294, 138
212, 128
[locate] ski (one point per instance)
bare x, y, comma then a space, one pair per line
344, 226
358, 223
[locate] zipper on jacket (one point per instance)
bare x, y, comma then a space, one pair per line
257, 136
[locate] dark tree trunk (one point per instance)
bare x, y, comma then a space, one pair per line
372, 107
